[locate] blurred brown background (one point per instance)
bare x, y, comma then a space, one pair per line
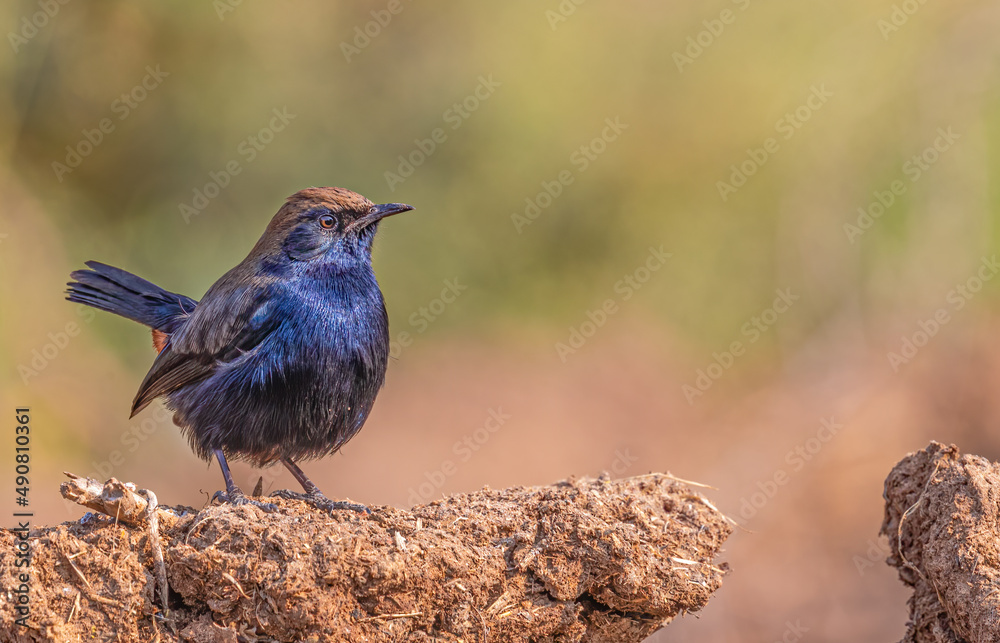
788, 351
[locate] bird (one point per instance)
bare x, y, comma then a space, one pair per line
282, 358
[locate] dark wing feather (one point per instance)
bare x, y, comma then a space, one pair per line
227, 323
170, 371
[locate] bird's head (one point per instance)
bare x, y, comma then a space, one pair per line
325, 222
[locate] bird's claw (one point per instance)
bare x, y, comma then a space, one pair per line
238, 498
320, 501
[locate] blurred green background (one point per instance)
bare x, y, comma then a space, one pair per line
808, 111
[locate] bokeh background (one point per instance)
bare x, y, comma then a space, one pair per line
212, 113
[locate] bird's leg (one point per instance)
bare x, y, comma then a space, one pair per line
233, 494
312, 494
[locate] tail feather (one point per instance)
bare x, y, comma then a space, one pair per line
117, 291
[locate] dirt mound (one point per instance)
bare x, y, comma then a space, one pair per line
590, 560
942, 518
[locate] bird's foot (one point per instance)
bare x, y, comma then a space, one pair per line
236, 497
318, 500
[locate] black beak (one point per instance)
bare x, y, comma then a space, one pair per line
377, 213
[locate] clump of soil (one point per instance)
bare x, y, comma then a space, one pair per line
942, 518
581, 560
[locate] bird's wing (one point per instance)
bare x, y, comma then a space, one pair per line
223, 327
170, 371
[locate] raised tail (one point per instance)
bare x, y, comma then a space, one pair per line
122, 293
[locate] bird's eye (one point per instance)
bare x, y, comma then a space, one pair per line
328, 222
